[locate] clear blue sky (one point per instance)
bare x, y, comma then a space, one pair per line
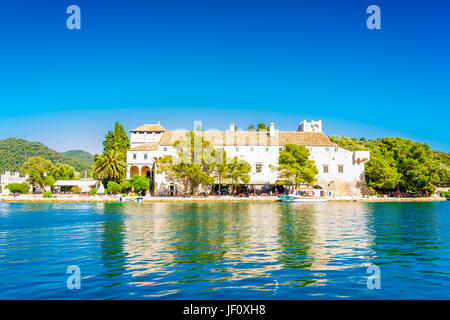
223, 61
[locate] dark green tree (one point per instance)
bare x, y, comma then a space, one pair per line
113, 187
63, 172
295, 167
37, 169
238, 172
140, 183
16, 188
117, 140
261, 127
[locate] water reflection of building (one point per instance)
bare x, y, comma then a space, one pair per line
342, 238
254, 242
147, 239
246, 240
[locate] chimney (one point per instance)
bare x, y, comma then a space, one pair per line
272, 130
231, 127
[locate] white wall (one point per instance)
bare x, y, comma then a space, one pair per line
139, 138
348, 182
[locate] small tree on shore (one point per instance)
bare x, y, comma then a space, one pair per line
63, 172
294, 166
113, 187
76, 190
37, 169
238, 172
139, 183
18, 188
194, 164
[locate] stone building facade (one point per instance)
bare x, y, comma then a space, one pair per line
341, 171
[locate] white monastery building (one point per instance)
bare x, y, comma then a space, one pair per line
7, 177
341, 171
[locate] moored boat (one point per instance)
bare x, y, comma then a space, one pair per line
304, 195
131, 199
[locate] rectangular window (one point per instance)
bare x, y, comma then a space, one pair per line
327, 149
281, 148
340, 168
237, 149
251, 149
336, 149
258, 167
325, 168
145, 156
165, 148
267, 149
134, 156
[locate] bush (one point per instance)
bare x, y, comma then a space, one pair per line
444, 193
126, 186
21, 188
93, 192
47, 194
140, 183
76, 189
114, 187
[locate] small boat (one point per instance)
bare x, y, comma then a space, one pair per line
304, 195
131, 199
125, 199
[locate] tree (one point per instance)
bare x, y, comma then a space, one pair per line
76, 190
413, 166
63, 172
399, 164
444, 174
381, 174
251, 128
221, 167
140, 183
261, 127
295, 167
113, 187
126, 186
16, 188
238, 172
109, 166
117, 140
194, 164
37, 168
49, 181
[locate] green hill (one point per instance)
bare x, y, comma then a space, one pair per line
81, 156
14, 152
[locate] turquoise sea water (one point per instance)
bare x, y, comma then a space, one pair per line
225, 250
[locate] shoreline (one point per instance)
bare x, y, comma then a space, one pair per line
115, 199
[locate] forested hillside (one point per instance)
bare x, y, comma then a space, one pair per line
14, 152
398, 163
81, 156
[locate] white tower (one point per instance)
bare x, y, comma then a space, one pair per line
313, 126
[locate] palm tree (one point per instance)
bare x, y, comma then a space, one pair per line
110, 166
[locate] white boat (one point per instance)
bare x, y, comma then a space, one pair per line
131, 199
125, 199
304, 195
